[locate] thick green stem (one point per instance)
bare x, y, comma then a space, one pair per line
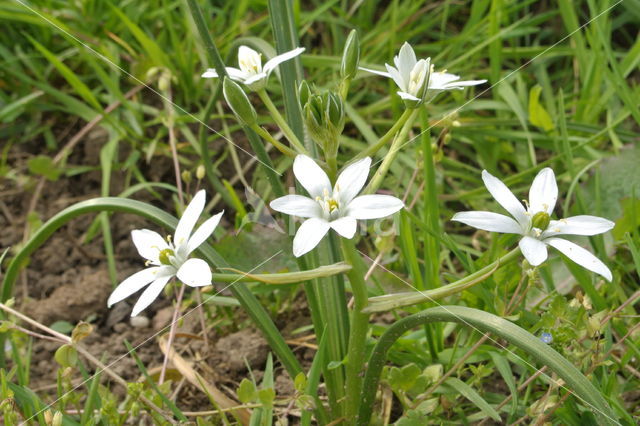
484, 322
371, 150
282, 123
358, 330
279, 146
397, 300
378, 177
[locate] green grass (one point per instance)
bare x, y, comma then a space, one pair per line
562, 93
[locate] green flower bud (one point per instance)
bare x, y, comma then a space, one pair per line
350, 56
541, 220
304, 92
200, 172
186, 176
239, 102
324, 116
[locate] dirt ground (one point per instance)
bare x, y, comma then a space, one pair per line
67, 280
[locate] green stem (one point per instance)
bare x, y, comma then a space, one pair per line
358, 329
267, 136
485, 322
265, 162
371, 150
378, 177
281, 122
397, 300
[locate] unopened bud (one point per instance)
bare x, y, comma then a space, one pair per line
164, 82
186, 176
200, 172
239, 102
350, 56
304, 93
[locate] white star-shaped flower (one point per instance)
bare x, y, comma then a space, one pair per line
410, 75
535, 225
335, 208
169, 258
251, 72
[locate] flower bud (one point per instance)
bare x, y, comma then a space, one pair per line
186, 176
200, 172
239, 102
304, 92
350, 56
324, 116
541, 220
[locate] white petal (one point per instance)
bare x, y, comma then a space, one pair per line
249, 60
382, 73
255, 78
309, 235
406, 60
345, 226
405, 95
297, 205
277, 60
148, 243
195, 273
373, 206
464, 83
133, 284
543, 193
203, 232
210, 73
149, 295
505, 198
352, 179
439, 80
534, 250
311, 176
581, 256
489, 221
578, 225
397, 77
189, 219
236, 74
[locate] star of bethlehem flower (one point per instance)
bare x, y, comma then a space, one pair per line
251, 72
411, 74
335, 207
167, 258
535, 225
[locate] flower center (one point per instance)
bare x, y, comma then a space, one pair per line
329, 203
541, 220
165, 256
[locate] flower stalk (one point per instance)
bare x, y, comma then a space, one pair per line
282, 123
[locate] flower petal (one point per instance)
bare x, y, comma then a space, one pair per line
505, 198
255, 78
236, 74
382, 73
189, 219
149, 244
439, 80
195, 273
489, 221
534, 250
297, 205
345, 226
373, 206
311, 176
543, 193
134, 283
464, 83
397, 77
352, 179
409, 96
580, 256
150, 294
309, 235
210, 73
578, 225
203, 232
277, 60
406, 60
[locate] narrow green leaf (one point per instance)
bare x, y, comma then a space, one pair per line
473, 396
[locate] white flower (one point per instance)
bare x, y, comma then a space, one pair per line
337, 207
410, 75
251, 72
169, 258
535, 225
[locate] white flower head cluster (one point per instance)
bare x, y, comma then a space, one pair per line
328, 207
251, 73
415, 77
535, 225
169, 258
